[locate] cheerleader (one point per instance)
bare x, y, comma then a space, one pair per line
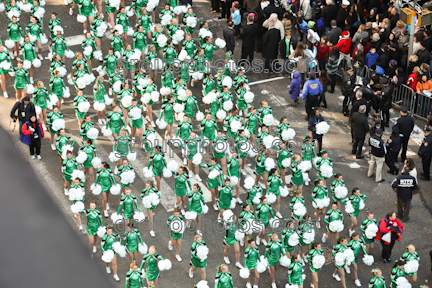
61, 141
178, 85
356, 244
196, 262
241, 145
274, 250
286, 234
168, 113
110, 63
397, 272
251, 259
94, 221
251, 122
209, 85
264, 110
68, 166
117, 78
123, 20
230, 240
223, 277
314, 119
157, 162
191, 146
298, 198
99, 93
308, 150
221, 141
122, 147
224, 96
53, 22
146, 21
86, 8
262, 214
124, 92
169, 54
97, 22
274, 184
411, 255
76, 184
57, 86
21, 81
86, 126
56, 63
29, 54
338, 182
105, 178
129, 62
4, 73
79, 60
184, 72
136, 124
339, 273
110, 10
323, 160
260, 168
167, 78
148, 144
297, 174
106, 244
208, 128
14, 33
233, 171
59, 46
150, 87
283, 125
332, 215
241, 105
134, 277
208, 47
34, 28
378, 280
124, 167
252, 193
225, 198
182, 186
214, 183
295, 271
140, 40
245, 215
175, 238
128, 200
191, 105
115, 121
117, 43
190, 46
369, 242
77, 73
155, 35
315, 251
40, 98
196, 202
151, 260
90, 150
357, 201
80, 98
320, 192
232, 116
240, 78
89, 41
149, 188
306, 227
202, 36
52, 116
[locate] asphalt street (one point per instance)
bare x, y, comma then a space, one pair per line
275, 91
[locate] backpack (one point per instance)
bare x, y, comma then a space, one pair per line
316, 10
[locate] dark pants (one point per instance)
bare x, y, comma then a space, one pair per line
186, 2
322, 64
404, 143
35, 146
236, 30
311, 102
226, 5
215, 4
333, 81
247, 52
345, 104
385, 118
319, 140
426, 162
403, 206
21, 123
387, 248
358, 146
267, 65
390, 160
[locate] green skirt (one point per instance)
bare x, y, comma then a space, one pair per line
196, 263
180, 192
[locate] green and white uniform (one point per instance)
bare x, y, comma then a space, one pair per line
251, 123
356, 246
216, 182
189, 46
131, 240
90, 150
241, 103
230, 230
333, 186
21, 78
363, 228
197, 262
14, 32
86, 126
208, 128
297, 174
286, 234
263, 111
262, 213
355, 201
134, 279
57, 86
339, 248
252, 193
294, 200
295, 273
284, 154
94, 221
395, 274
273, 252
303, 228
191, 105
408, 256
41, 97
225, 197
105, 178
208, 50
377, 282
51, 118
122, 146
127, 204
152, 272
115, 121
321, 161
182, 184
224, 280
312, 253
168, 112
158, 162
227, 125
260, 167
251, 258
68, 166
319, 193
59, 46
196, 201
63, 141
274, 183
107, 241
308, 152
174, 235
77, 100
331, 216
122, 169
29, 52
147, 192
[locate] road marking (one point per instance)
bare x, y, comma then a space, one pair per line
266, 80
74, 40
354, 165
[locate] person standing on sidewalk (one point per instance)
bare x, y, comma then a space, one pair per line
360, 128
425, 153
377, 155
312, 91
406, 125
25, 109
393, 145
404, 185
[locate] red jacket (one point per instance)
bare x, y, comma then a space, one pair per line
322, 52
344, 45
365, 49
412, 81
27, 132
386, 226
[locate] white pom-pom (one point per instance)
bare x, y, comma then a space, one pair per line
166, 19
120, 249
164, 265
202, 252
210, 98
191, 21
271, 198
349, 208
69, 54
227, 81
101, 231
155, 96
57, 29
249, 97
293, 240
166, 173
2, 7
9, 44
199, 116
220, 43
286, 162
269, 164
257, 199
197, 158
6, 65
275, 222
371, 231
244, 273
336, 226
173, 166
148, 173
228, 216
119, 28
58, 124
162, 40
139, 216
96, 189
116, 218
92, 133
81, 18
322, 128
127, 177
96, 162
43, 39
197, 76
268, 120
82, 157
113, 157
130, 31
233, 203
27, 64
288, 134
234, 180
326, 171
261, 266
126, 101
238, 235
30, 88
98, 56
202, 284
38, 110
205, 209
309, 237
178, 108
191, 215
88, 51
402, 282
341, 192
268, 141
107, 132
77, 207
117, 86
283, 191
299, 209
203, 32
33, 38
142, 248
221, 114
165, 91
89, 78
228, 105
66, 93
152, 4
115, 189
39, 13
78, 174
361, 204
291, 286
321, 203
249, 183
81, 83
349, 256
177, 10
108, 256
368, 260
340, 259
131, 156
318, 261
181, 95
98, 106
284, 261
411, 266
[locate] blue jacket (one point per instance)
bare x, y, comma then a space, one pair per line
312, 87
371, 59
236, 17
295, 86
379, 70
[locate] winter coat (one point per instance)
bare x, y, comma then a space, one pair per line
386, 226
344, 45
371, 59
26, 134
271, 43
295, 86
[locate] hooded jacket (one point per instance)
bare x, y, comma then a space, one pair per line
295, 86
344, 45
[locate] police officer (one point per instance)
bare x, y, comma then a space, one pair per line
404, 185
425, 153
385, 103
378, 152
393, 146
406, 125
312, 91
348, 79
369, 96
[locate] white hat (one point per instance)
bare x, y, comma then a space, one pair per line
374, 25
346, 2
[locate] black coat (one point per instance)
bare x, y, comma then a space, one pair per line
23, 112
356, 105
405, 184
360, 125
248, 35
228, 35
271, 43
425, 150
428, 43
387, 97
342, 15
283, 47
329, 13
423, 56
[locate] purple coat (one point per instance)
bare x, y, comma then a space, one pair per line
294, 89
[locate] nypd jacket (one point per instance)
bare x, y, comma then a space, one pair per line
404, 185
377, 145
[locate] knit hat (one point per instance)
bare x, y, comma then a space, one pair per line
345, 34
251, 15
311, 24
346, 2
374, 25
333, 23
383, 81
365, 81
404, 109
393, 62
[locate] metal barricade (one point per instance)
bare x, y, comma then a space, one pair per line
421, 105
403, 96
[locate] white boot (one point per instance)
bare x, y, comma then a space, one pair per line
66, 191
226, 259
179, 258
116, 278
323, 239
198, 178
108, 270
190, 273
94, 249
5, 95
